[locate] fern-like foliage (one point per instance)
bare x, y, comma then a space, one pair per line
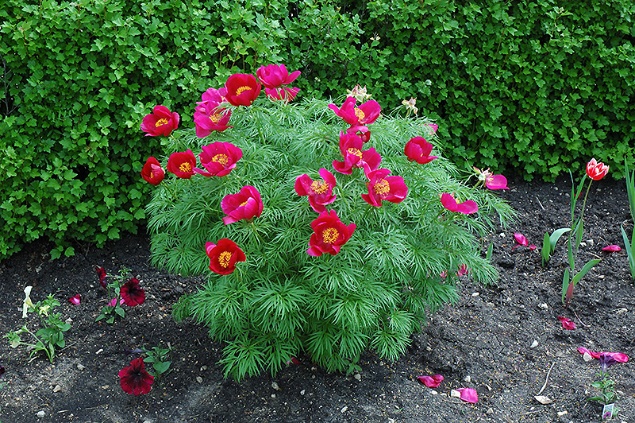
400, 264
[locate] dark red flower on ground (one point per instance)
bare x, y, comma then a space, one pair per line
152, 171
365, 114
351, 148
242, 89
160, 122
101, 273
223, 256
219, 159
382, 187
132, 293
275, 76
466, 207
284, 93
418, 149
595, 170
329, 234
182, 164
247, 204
320, 191
135, 379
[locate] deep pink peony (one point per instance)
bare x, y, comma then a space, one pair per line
135, 379
182, 164
208, 120
382, 187
247, 204
320, 191
329, 234
361, 131
365, 114
160, 122
418, 150
351, 148
242, 89
218, 159
466, 207
223, 256
152, 171
275, 76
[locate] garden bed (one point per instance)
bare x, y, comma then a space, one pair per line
503, 340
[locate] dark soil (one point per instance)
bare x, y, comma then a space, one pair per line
484, 341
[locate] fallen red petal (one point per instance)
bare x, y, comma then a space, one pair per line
75, 299
567, 324
431, 381
612, 248
468, 395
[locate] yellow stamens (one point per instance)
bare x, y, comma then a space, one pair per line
355, 152
330, 235
242, 89
359, 113
221, 158
216, 117
224, 258
319, 186
382, 187
244, 203
161, 122
185, 167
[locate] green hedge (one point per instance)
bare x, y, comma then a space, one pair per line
517, 86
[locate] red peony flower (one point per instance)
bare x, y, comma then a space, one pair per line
223, 256
418, 150
285, 93
365, 114
595, 170
219, 158
384, 187
466, 207
132, 294
320, 191
275, 76
351, 148
182, 164
247, 204
242, 89
152, 171
135, 379
329, 234
160, 122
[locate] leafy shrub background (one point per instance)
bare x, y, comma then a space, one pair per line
533, 87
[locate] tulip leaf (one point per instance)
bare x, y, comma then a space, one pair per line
546, 249
565, 284
585, 269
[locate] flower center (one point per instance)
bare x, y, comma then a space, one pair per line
221, 158
319, 187
185, 167
216, 117
382, 187
244, 203
355, 152
242, 89
224, 258
161, 122
330, 235
359, 113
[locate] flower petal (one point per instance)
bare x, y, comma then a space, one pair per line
431, 381
567, 323
75, 299
612, 248
466, 394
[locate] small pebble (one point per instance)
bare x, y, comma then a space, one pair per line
40, 414
590, 242
99, 351
543, 306
57, 388
199, 379
490, 411
467, 379
273, 395
302, 392
343, 410
358, 376
476, 294
562, 413
275, 386
80, 366
502, 235
534, 344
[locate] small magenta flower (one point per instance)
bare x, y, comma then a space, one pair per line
463, 270
418, 150
247, 204
329, 234
223, 256
319, 191
450, 203
431, 381
218, 159
607, 359
365, 114
351, 148
241, 89
275, 76
135, 379
208, 120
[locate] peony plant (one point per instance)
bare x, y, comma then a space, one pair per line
324, 230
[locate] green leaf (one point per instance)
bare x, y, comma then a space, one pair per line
585, 269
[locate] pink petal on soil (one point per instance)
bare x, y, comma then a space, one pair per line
114, 301
612, 248
468, 395
520, 240
567, 324
590, 353
75, 299
431, 381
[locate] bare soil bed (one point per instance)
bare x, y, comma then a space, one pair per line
484, 341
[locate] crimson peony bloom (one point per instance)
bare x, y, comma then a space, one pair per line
384, 187
223, 256
160, 122
208, 120
466, 207
351, 148
152, 171
132, 294
329, 234
320, 191
247, 204
418, 150
275, 76
431, 381
182, 164
595, 170
285, 93
365, 114
135, 379
219, 159
242, 89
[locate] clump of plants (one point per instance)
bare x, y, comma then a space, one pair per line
605, 385
50, 335
122, 289
326, 229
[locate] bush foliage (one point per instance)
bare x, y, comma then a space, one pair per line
536, 87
